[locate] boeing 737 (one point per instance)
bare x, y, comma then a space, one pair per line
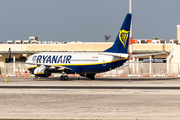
86, 64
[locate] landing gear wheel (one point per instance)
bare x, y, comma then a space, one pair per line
64, 77
35, 77
90, 76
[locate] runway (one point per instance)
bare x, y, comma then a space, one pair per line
108, 98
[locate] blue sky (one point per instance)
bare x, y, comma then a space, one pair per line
86, 20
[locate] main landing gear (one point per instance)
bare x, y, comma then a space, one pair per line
89, 76
64, 77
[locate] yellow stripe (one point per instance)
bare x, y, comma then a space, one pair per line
38, 73
90, 63
32, 67
82, 64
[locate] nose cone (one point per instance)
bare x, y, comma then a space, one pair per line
27, 61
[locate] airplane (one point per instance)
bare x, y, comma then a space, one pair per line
86, 64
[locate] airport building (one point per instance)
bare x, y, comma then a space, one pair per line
25, 48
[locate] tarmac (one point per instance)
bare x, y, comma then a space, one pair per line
98, 82
27, 99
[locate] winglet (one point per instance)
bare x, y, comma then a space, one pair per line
170, 55
9, 55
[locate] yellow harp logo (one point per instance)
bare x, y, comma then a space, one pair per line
123, 36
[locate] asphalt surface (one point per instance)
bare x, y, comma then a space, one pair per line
99, 83
50, 98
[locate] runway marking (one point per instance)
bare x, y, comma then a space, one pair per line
96, 91
159, 110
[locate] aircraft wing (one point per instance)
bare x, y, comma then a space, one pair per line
168, 57
139, 55
127, 55
49, 66
135, 55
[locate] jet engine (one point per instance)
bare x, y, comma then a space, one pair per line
42, 72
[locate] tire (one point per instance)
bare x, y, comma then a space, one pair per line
47, 73
61, 77
90, 77
36, 77
66, 77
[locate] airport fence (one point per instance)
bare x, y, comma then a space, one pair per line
146, 69
133, 69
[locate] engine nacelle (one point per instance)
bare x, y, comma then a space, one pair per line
42, 72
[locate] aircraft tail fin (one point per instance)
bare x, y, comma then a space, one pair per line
9, 55
122, 41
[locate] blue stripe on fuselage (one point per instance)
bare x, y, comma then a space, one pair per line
96, 68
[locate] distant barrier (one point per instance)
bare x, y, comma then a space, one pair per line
133, 69
13, 69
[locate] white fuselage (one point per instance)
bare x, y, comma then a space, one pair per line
77, 61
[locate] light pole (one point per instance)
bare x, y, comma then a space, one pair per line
130, 37
107, 37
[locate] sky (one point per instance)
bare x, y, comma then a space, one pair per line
86, 20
